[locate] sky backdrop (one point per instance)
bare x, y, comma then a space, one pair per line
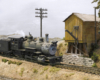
19, 15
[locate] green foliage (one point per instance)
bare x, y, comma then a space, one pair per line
45, 68
65, 44
4, 60
21, 73
46, 76
60, 45
71, 74
54, 69
35, 71
94, 65
42, 72
98, 3
11, 62
94, 57
18, 63
66, 75
63, 38
60, 54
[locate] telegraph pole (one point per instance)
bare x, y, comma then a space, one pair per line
95, 25
41, 17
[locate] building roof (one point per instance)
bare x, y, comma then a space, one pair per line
84, 17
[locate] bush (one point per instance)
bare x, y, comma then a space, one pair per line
21, 73
35, 71
60, 54
63, 38
94, 65
9, 62
4, 60
94, 57
18, 63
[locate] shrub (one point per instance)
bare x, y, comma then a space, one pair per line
18, 63
35, 71
13, 62
94, 57
65, 44
63, 38
21, 73
9, 62
94, 65
60, 54
4, 60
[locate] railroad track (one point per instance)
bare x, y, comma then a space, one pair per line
90, 70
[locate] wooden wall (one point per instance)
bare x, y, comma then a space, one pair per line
69, 25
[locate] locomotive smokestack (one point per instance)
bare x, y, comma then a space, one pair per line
46, 38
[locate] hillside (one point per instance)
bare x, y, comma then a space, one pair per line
33, 71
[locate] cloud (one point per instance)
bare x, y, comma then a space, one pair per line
20, 15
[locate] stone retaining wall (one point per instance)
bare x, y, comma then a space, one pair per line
76, 60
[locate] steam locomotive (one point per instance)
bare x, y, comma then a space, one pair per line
30, 48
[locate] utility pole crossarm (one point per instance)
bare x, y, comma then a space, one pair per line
41, 17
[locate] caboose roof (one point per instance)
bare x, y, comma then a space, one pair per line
84, 17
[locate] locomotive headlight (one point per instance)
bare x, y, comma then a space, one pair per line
52, 50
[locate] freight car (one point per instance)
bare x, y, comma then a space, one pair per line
30, 48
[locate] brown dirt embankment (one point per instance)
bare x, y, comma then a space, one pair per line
33, 71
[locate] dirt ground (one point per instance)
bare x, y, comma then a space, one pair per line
33, 71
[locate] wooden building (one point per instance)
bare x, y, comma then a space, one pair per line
80, 32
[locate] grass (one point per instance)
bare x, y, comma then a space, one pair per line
66, 75
71, 74
21, 73
45, 68
46, 76
60, 45
35, 71
42, 72
54, 69
85, 78
11, 62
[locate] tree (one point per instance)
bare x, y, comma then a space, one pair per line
98, 3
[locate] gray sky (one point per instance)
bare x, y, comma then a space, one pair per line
19, 15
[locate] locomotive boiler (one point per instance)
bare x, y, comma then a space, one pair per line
30, 48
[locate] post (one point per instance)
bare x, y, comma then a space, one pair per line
41, 22
41, 17
95, 25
